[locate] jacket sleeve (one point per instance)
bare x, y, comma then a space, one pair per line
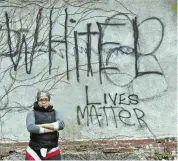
30, 124
59, 124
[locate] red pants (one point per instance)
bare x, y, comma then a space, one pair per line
53, 154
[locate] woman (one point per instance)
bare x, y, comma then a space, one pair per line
43, 123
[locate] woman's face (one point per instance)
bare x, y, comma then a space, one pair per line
43, 102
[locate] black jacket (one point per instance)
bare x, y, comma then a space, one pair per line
46, 140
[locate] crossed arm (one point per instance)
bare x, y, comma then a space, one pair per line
51, 127
43, 128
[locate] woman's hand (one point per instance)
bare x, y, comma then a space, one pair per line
48, 130
48, 126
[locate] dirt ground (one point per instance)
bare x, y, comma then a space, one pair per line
100, 150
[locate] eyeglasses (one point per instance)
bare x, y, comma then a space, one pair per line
43, 99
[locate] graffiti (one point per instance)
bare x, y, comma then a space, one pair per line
105, 57
25, 42
90, 113
19, 46
66, 47
93, 110
94, 53
120, 99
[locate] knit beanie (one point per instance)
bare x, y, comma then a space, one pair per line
43, 94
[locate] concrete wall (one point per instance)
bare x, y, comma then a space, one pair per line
109, 65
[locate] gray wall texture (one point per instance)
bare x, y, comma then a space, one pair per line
110, 66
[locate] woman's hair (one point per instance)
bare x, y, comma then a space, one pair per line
43, 94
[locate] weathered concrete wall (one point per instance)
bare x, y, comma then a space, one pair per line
109, 65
